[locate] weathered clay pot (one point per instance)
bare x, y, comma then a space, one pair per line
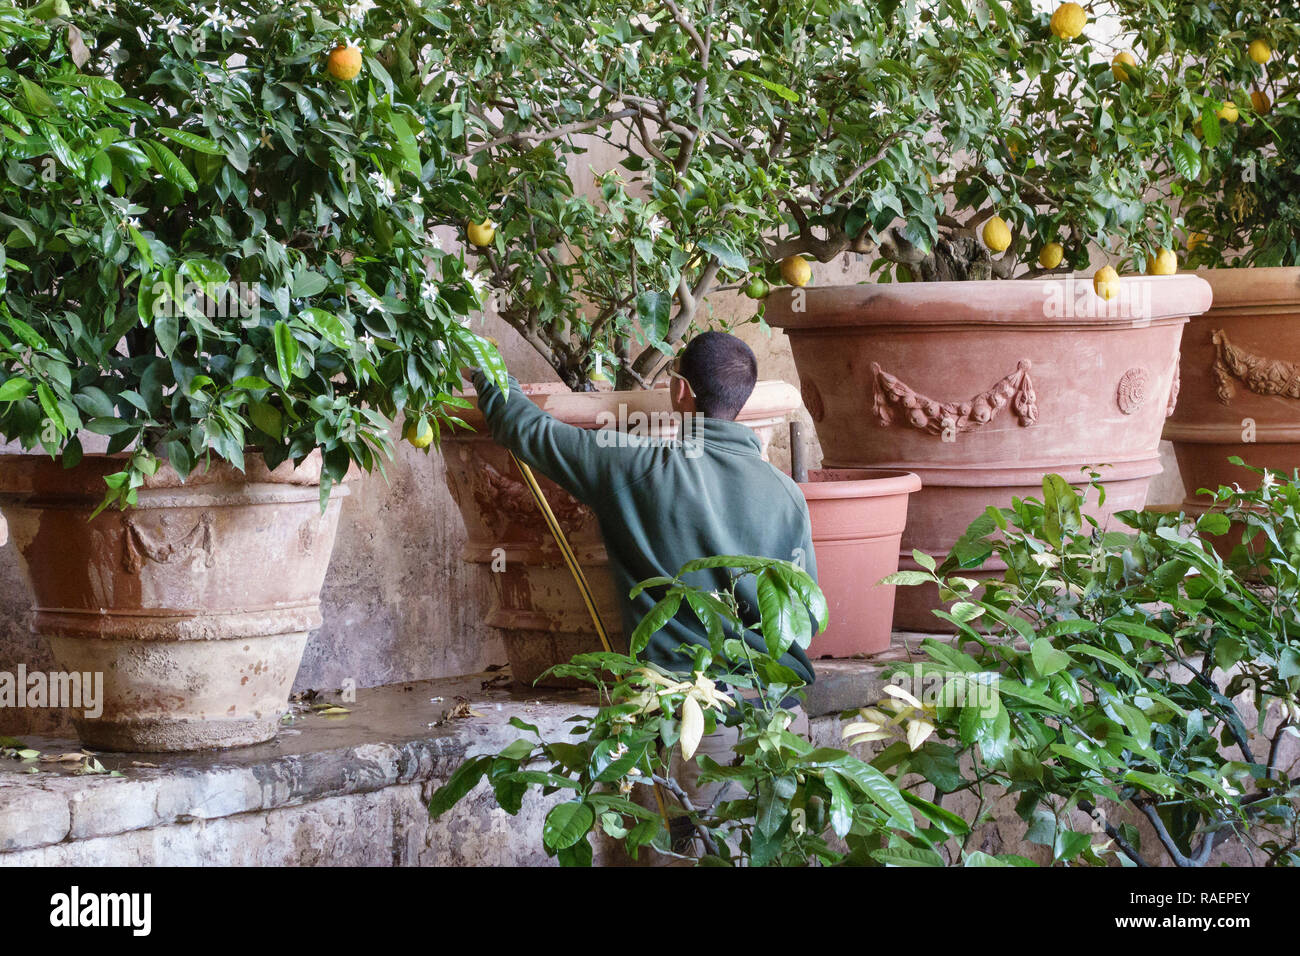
538, 607
858, 517
1240, 370
195, 605
981, 388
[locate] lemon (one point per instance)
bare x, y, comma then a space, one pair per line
1260, 51
597, 376
795, 270
343, 63
1068, 21
1050, 256
1106, 282
996, 234
1117, 65
418, 432
1227, 112
1163, 263
1260, 102
481, 233
1195, 239
757, 288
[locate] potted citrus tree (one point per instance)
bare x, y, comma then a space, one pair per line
1242, 225
217, 273
958, 146
626, 179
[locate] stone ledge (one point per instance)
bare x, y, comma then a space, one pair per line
849, 683
397, 734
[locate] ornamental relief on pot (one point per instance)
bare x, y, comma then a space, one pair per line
896, 401
139, 547
1259, 373
504, 501
1131, 394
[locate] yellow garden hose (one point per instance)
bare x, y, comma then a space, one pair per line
571, 560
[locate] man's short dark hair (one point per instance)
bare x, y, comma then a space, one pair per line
721, 371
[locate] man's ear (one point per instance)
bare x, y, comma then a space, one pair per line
679, 391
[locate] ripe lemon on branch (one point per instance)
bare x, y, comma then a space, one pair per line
997, 236
1106, 282
1227, 112
418, 432
343, 63
1068, 21
1050, 256
481, 233
1163, 263
1122, 60
796, 271
1260, 51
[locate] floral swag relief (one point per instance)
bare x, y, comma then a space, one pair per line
894, 399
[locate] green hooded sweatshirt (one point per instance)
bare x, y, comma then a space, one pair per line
662, 504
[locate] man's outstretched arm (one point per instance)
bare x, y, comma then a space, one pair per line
572, 457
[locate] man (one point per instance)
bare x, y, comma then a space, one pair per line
661, 504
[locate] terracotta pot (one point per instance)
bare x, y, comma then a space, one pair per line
537, 605
195, 605
1240, 370
981, 388
858, 517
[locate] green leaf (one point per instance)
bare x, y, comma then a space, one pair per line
784, 92
462, 781
566, 824
722, 250
170, 165
14, 389
1047, 659
659, 615
200, 144
286, 352
1186, 158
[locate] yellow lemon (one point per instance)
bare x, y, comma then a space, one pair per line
418, 432
1260, 51
481, 233
343, 63
1260, 101
1117, 65
1196, 239
1068, 21
1106, 282
1050, 256
795, 270
996, 234
1163, 263
1227, 112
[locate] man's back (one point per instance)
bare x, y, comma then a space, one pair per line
662, 504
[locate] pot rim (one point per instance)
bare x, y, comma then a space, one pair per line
26, 473
771, 398
858, 483
1254, 286
983, 303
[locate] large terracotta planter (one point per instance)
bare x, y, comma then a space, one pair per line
536, 604
858, 517
1240, 371
981, 388
195, 605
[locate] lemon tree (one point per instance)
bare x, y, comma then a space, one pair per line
1236, 186
747, 133
213, 235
